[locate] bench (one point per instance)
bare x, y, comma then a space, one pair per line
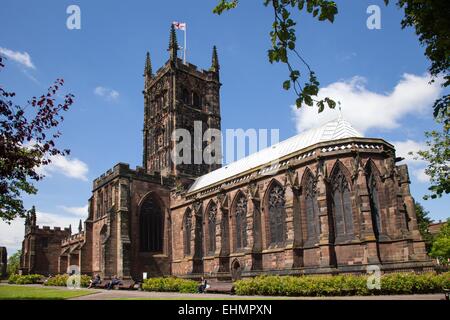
126, 285
220, 287
102, 285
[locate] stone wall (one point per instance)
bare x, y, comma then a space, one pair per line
41, 249
394, 239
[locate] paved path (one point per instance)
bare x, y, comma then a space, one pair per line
120, 294
99, 294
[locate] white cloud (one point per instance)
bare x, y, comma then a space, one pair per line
11, 235
421, 175
56, 220
366, 109
417, 166
22, 58
403, 148
107, 93
76, 211
72, 168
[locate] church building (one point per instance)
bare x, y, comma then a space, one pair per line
325, 201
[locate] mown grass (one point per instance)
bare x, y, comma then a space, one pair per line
8, 292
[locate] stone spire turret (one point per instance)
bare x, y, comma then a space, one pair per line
173, 45
80, 227
148, 67
33, 216
215, 61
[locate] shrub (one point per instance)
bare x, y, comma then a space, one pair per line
60, 280
394, 283
170, 284
24, 279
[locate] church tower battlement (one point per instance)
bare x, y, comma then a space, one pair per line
176, 97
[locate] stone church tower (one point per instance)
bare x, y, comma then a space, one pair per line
178, 96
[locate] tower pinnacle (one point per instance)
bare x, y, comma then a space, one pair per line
173, 45
33, 216
215, 61
148, 66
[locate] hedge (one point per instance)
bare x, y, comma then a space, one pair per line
24, 279
170, 284
60, 280
342, 285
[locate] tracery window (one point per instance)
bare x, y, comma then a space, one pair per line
187, 227
312, 208
241, 222
212, 213
341, 204
196, 101
277, 214
151, 226
185, 96
374, 201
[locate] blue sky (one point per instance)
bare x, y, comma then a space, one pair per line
378, 75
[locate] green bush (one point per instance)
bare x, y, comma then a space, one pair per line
24, 279
60, 280
342, 285
170, 284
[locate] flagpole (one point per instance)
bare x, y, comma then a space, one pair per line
184, 54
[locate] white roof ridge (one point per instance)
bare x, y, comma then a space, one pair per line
332, 130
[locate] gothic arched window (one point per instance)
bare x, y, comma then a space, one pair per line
374, 201
241, 222
277, 214
212, 212
151, 226
185, 96
311, 208
196, 101
341, 204
187, 227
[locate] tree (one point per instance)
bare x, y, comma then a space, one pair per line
441, 245
423, 221
430, 20
27, 141
438, 158
14, 263
283, 41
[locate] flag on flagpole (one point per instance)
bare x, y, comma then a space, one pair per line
182, 26
179, 25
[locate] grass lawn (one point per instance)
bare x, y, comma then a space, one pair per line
32, 293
